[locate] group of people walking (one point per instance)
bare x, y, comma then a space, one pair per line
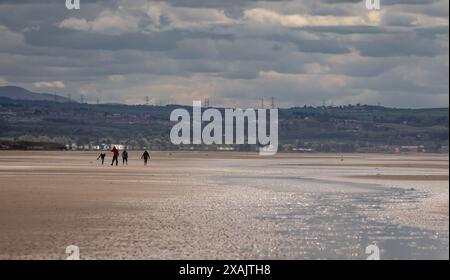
115, 160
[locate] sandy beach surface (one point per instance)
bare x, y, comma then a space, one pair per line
199, 205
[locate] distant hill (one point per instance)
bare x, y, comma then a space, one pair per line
18, 93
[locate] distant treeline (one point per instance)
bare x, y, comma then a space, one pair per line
29, 145
352, 128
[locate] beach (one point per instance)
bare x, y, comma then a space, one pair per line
224, 205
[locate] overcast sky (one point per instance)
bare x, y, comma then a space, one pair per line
233, 51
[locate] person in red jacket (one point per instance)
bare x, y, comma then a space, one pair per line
115, 156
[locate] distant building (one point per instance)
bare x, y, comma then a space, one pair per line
411, 149
118, 146
104, 147
303, 150
225, 148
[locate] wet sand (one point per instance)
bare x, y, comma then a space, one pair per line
223, 205
404, 177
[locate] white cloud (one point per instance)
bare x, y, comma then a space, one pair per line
151, 16
3, 82
107, 22
265, 16
76, 24
116, 78
54, 84
188, 18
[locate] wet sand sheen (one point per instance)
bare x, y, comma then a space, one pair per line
403, 177
382, 165
221, 205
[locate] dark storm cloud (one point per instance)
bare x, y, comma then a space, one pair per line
361, 29
341, 1
409, 2
134, 41
401, 45
218, 3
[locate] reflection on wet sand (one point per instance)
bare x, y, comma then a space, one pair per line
224, 205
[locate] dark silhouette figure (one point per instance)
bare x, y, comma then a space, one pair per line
125, 157
146, 157
115, 156
102, 157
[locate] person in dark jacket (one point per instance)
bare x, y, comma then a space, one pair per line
146, 157
102, 157
125, 157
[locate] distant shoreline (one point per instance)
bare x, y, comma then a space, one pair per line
6, 145
30, 146
246, 154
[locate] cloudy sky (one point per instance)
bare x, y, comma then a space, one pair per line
233, 51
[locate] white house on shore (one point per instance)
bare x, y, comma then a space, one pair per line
118, 146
